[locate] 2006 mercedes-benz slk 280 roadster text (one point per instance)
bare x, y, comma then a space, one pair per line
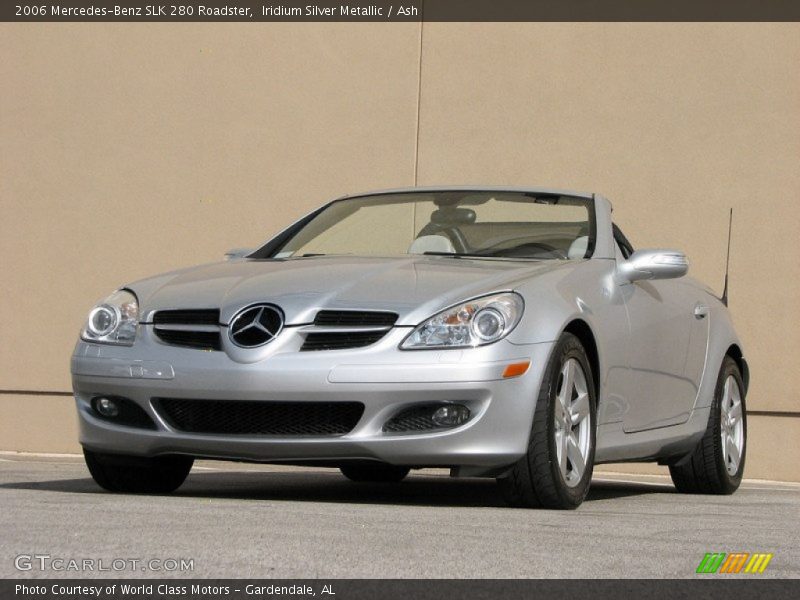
508, 333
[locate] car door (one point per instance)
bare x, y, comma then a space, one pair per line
666, 344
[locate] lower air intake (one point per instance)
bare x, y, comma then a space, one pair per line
428, 417
245, 417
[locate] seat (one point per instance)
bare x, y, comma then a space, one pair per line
431, 243
577, 249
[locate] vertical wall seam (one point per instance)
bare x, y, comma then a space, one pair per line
419, 99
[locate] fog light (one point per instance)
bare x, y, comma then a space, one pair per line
106, 407
450, 415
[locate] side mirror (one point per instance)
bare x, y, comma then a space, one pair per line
654, 264
237, 253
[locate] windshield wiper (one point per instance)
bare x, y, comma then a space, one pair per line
495, 256
455, 254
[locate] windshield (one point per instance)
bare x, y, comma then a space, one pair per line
463, 223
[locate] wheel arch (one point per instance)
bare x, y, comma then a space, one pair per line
735, 352
581, 330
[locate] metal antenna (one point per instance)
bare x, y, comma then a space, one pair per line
724, 297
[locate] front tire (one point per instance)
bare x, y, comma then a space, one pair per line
557, 470
717, 463
138, 475
374, 472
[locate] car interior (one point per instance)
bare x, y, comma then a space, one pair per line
457, 230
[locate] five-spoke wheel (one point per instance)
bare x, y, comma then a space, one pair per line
732, 425
573, 422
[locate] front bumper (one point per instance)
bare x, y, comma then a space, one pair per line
383, 378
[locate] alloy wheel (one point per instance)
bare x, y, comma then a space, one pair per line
573, 422
732, 425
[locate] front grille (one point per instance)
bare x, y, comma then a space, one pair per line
331, 340
245, 417
353, 318
201, 316
190, 328
204, 340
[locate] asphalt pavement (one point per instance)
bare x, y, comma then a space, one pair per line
242, 520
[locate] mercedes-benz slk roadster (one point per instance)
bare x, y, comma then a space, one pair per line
507, 333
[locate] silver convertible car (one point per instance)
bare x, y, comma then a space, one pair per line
505, 332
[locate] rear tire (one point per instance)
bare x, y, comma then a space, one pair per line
717, 463
138, 475
374, 472
557, 469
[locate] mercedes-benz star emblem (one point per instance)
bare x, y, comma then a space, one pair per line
255, 325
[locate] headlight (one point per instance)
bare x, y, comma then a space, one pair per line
474, 323
114, 320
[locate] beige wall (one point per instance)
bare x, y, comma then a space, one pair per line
126, 150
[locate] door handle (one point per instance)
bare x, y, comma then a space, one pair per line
700, 311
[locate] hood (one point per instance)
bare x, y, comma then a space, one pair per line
415, 287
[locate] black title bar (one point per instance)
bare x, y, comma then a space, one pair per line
394, 11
